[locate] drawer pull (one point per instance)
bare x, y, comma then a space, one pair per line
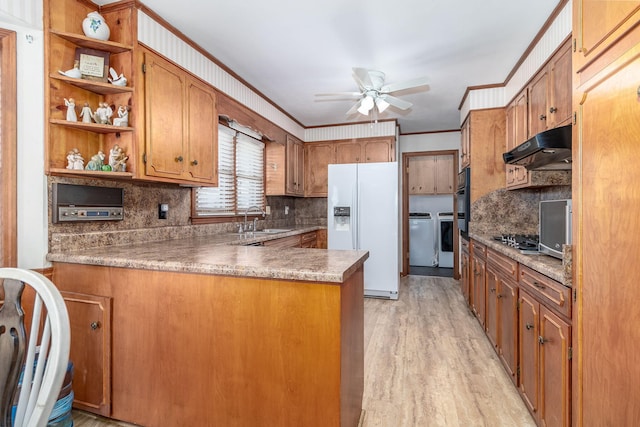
529, 326
538, 285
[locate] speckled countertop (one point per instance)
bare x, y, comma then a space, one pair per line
554, 268
224, 254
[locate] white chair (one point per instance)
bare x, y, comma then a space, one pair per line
41, 384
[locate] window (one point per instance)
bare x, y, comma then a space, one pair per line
240, 177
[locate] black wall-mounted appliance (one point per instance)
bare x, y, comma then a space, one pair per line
463, 200
71, 203
548, 150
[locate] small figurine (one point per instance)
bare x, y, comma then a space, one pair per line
123, 116
115, 79
78, 161
73, 73
100, 115
96, 162
86, 113
71, 159
108, 112
71, 109
117, 159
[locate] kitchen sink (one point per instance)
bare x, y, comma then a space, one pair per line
273, 230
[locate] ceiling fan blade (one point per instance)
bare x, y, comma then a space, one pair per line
351, 94
354, 109
361, 76
409, 84
397, 102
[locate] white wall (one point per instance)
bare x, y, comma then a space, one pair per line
25, 18
429, 142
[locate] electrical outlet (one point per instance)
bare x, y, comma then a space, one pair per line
163, 210
286, 210
267, 210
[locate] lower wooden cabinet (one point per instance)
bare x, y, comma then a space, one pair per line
545, 369
465, 265
527, 318
90, 320
309, 240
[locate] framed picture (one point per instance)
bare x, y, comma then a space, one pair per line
93, 64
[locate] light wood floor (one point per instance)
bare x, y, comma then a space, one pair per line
427, 363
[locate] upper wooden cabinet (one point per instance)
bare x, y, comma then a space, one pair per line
365, 150
550, 93
599, 25
318, 157
181, 130
464, 145
285, 168
485, 130
295, 166
64, 43
431, 174
544, 104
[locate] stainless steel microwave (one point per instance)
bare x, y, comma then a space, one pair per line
555, 226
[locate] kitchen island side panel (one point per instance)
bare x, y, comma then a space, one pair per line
193, 349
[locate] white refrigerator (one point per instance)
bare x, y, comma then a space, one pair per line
362, 213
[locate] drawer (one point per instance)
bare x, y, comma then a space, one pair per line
503, 263
464, 245
479, 250
551, 294
308, 237
284, 242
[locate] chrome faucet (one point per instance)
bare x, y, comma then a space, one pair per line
246, 226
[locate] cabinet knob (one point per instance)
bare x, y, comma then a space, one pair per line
194, 163
553, 109
179, 159
541, 340
95, 325
543, 117
529, 326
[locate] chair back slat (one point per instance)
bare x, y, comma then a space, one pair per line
12, 346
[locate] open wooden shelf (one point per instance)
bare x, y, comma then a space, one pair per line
92, 85
83, 41
86, 173
93, 127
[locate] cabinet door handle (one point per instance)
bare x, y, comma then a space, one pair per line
529, 326
94, 325
194, 163
179, 159
541, 340
492, 290
499, 296
538, 285
553, 109
543, 117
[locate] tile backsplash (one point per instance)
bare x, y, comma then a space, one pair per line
141, 221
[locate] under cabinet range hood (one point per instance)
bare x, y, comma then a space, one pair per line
548, 150
73, 203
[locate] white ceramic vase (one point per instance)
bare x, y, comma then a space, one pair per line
95, 26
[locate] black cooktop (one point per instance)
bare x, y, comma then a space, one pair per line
524, 242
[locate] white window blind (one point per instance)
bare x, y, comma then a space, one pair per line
240, 176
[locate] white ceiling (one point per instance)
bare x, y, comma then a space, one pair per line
291, 50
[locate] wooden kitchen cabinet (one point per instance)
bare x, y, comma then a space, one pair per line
465, 268
64, 41
485, 130
478, 281
180, 124
309, 240
284, 242
545, 370
432, 174
607, 66
90, 321
544, 104
318, 157
464, 144
295, 166
502, 309
285, 167
365, 150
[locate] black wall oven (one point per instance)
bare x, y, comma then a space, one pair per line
463, 200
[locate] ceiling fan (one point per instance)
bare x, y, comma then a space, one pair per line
374, 94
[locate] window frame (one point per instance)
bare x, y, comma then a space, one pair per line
197, 218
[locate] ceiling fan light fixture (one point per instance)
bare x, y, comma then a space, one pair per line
366, 105
381, 104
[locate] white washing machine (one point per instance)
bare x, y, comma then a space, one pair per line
445, 239
423, 242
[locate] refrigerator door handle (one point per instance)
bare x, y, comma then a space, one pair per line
353, 218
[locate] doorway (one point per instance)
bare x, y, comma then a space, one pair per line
428, 196
8, 148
